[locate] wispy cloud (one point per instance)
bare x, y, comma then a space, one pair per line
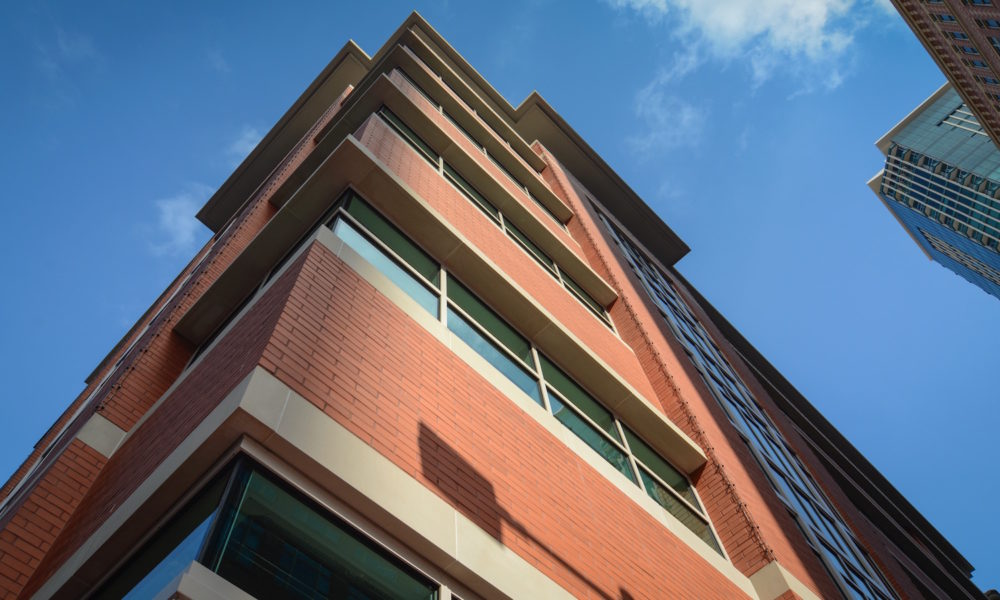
807, 38
244, 143
63, 56
217, 62
668, 121
177, 227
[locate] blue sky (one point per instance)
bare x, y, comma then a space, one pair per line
749, 126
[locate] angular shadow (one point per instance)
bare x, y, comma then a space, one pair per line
473, 495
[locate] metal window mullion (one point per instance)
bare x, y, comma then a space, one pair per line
443, 297
569, 404
677, 496
371, 237
632, 460
489, 336
536, 359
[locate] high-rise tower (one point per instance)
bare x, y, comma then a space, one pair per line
437, 348
942, 182
963, 38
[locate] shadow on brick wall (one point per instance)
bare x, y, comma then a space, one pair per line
473, 495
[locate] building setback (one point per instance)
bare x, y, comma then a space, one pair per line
942, 183
437, 348
963, 38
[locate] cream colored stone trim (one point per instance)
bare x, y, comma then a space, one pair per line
383, 91
352, 164
198, 583
883, 142
773, 580
101, 434
291, 427
528, 405
478, 271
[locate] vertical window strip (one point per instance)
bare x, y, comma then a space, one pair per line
823, 527
515, 357
482, 203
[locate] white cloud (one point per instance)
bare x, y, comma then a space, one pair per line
806, 38
242, 146
177, 226
668, 121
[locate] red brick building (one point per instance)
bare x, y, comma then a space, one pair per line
437, 348
963, 38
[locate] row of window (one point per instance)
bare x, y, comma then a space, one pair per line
270, 541
943, 192
826, 532
489, 335
482, 148
490, 210
970, 262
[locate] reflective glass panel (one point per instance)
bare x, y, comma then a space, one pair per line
485, 347
591, 436
387, 265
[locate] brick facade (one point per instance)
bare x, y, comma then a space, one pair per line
328, 334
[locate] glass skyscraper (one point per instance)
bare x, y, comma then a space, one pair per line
942, 183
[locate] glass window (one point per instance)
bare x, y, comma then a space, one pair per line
410, 136
387, 265
664, 470
491, 351
582, 294
572, 392
766, 442
168, 552
272, 543
592, 437
269, 541
387, 233
489, 320
530, 246
471, 193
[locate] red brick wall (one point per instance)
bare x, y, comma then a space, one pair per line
160, 355
752, 524
218, 371
459, 139
31, 532
351, 352
505, 252
872, 539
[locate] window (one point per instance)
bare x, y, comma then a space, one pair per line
825, 531
967, 49
482, 148
975, 62
388, 250
988, 80
958, 35
266, 538
482, 203
516, 358
978, 2
944, 18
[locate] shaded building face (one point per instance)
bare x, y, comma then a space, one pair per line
941, 180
